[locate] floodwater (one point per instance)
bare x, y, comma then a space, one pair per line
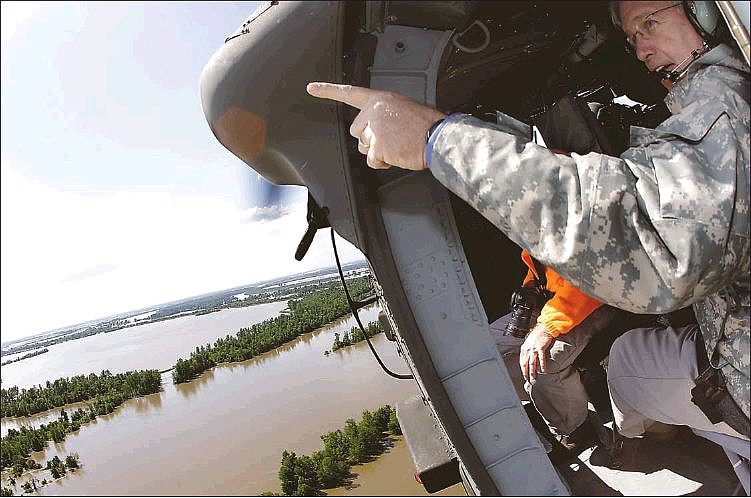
152, 345
386, 473
224, 433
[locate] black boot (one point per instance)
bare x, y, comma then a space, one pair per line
581, 438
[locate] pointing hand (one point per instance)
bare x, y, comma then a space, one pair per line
390, 128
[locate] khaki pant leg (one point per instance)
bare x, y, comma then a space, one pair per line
508, 347
651, 373
559, 394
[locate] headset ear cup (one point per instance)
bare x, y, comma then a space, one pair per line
704, 15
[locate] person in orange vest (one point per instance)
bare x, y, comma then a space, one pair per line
552, 340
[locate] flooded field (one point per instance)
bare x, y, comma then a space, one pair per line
223, 434
154, 345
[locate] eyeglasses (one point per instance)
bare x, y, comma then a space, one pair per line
646, 28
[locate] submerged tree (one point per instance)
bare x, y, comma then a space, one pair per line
307, 476
72, 461
15, 402
287, 473
56, 467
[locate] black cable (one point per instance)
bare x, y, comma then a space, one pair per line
354, 308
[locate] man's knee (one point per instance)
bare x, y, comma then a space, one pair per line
620, 345
621, 353
561, 356
556, 364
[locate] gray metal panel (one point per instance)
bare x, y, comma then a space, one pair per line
435, 462
406, 61
458, 353
501, 396
252, 95
743, 9
417, 217
736, 16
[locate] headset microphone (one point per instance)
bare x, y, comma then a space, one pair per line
682, 68
705, 17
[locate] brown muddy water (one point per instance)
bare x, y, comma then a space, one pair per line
223, 434
387, 473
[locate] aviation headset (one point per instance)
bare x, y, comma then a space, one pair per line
705, 16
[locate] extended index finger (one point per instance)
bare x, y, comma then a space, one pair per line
356, 96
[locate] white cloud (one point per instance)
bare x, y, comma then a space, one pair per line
134, 249
265, 213
13, 15
91, 272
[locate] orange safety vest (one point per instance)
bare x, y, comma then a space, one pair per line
567, 308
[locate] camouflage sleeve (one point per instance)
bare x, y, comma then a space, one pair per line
647, 232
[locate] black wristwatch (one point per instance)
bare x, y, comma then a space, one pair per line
432, 128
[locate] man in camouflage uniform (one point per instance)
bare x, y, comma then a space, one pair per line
663, 226
651, 373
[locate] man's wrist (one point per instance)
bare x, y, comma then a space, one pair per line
432, 129
542, 329
433, 133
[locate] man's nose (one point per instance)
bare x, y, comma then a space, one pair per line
644, 48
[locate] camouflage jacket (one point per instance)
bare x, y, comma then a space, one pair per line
663, 226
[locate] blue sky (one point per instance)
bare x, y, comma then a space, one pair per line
115, 194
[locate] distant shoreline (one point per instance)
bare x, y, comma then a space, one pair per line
266, 292
89, 333
30, 355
